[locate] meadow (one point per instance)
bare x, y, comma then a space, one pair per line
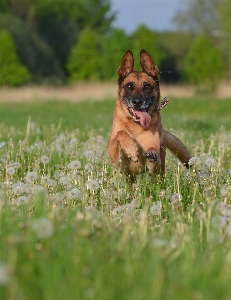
73, 227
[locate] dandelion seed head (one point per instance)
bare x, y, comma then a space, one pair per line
74, 165
74, 193
22, 200
92, 185
210, 162
2, 144
195, 161
10, 171
31, 177
177, 197
3, 158
5, 273
16, 165
43, 227
89, 167
219, 222
155, 209
45, 159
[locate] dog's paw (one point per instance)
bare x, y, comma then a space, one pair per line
151, 155
133, 155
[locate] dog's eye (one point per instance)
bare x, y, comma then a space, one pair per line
147, 87
129, 86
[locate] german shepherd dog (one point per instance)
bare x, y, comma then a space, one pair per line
137, 141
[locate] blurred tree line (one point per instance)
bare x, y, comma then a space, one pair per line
59, 41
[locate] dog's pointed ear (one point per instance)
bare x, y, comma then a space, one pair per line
147, 64
126, 65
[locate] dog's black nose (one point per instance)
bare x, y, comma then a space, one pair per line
137, 102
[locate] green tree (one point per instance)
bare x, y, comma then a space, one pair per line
144, 38
201, 16
83, 62
12, 72
60, 22
114, 46
203, 66
33, 51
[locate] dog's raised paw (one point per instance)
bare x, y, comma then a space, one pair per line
151, 155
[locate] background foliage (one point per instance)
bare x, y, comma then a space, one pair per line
50, 42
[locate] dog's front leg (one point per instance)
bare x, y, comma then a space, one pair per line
123, 144
150, 143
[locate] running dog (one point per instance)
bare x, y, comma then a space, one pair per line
137, 141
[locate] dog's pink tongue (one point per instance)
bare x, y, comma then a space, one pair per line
144, 118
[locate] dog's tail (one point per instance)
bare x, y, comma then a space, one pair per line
177, 148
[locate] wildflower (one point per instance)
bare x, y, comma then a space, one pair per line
89, 167
51, 183
58, 198
2, 144
3, 158
5, 272
64, 180
177, 197
92, 185
16, 165
135, 203
194, 161
219, 222
155, 210
10, 171
74, 193
90, 210
210, 162
74, 165
43, 227
45, 159
18, 188
22, 200
31, 177
225, 191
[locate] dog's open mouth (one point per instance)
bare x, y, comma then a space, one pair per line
140, 116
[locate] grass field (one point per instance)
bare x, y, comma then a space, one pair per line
72, 227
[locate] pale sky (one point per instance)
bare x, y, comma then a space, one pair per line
155, 14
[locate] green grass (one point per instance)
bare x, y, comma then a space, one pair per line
116, 241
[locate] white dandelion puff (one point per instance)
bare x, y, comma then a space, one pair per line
210, 162
45, 159
74, 165
74, 193
2, 144
43, 227
194, 161
22, 200
31, 177
3, 158
177, 197
58, 198
92, 185
16, 165
5, 273
18, 189
89, 167
155, 209
64, 180
219, 222
10, 171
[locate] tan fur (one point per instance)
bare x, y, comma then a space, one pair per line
132, 147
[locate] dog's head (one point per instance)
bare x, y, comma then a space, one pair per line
139, 90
